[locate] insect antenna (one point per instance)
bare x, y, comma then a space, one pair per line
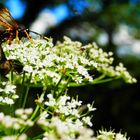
42, 36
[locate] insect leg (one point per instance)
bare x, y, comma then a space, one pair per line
28, 36
17, 38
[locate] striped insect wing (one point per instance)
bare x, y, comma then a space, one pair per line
6, 20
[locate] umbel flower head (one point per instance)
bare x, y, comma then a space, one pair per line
16, 123
63, 119
55, 68
7, 93
68, 60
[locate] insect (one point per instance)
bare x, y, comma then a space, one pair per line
9, 29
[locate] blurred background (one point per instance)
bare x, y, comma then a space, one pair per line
115, 26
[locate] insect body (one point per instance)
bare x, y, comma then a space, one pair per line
9, 29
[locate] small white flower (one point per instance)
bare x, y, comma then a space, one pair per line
29, 123
24, 116
1, 99
51, 101
45, 138
44, 115
19, 112
74, 112
15, 137
87, 120
28, 111
63, 99
28, 69
22, 137
8, 101
74, 103
120, 136
15, 96
90, 107
63, 109
9, 88
8, 121
1, 116
16, 126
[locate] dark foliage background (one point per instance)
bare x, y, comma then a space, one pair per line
117, 103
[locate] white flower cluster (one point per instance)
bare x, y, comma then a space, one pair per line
48, 63
122, 71
110, 135
63, 116
82, 133
15, 137
7, 93
16, 123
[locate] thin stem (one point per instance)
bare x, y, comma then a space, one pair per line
99, 81
83, 84
23, 79
105, 80
27, 91
38, 137
64, 88
26, 95
59, 82
34, 114
99, 78
11, 110
22, 91
37, 107
55, 88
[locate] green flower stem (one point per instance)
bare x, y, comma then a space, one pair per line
55, 88
39, 137
35, 112
99, 78
93, 83
23, 78
73, 84
64, 87
22, 91
12, 111
35, 115
26, 95
27, 91
85, 114
59, 81
106, 80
